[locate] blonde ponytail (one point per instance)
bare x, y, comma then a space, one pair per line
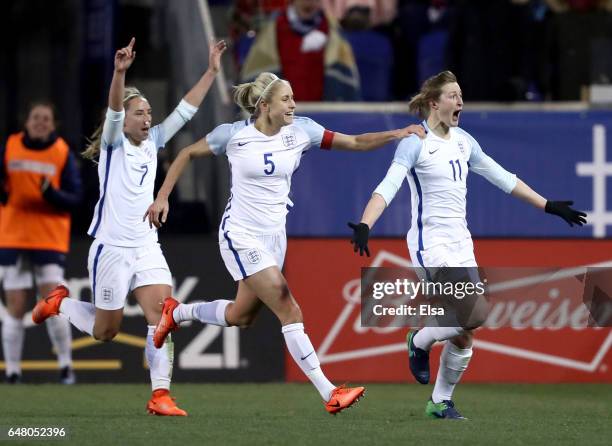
249, 95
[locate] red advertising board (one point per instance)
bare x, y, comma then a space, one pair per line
324, 276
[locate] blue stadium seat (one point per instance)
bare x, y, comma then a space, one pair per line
374, 56
242, 47
431, 54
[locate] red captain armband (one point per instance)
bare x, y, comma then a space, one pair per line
326, 142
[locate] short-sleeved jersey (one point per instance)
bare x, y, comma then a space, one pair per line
127, 178
437, 176
261, 169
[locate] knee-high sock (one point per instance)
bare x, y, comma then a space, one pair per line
304, 355
160, 361
453, 362
80, 314
13, 333
427, 336
61, 338
205, 312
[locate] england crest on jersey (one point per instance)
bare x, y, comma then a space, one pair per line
289, 139
460, 143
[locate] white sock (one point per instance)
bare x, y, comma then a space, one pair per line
453, 362
205, 312
159, 360
80, 314
427, 336
304, 355
61, 337
13, 333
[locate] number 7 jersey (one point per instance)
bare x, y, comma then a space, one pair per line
261, 168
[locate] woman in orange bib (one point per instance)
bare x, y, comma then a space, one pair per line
39, 184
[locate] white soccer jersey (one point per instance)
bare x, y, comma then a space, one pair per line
437, 171
261, 169
127, 177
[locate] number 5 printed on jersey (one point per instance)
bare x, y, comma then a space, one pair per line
268, 162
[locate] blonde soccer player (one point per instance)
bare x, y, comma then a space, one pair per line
263, 153
436, 169
125, 255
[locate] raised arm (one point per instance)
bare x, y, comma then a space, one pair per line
370, 141
123, 60
113, 124
188, 107
196, 95
157, 213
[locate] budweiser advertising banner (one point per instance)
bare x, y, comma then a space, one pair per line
548, 318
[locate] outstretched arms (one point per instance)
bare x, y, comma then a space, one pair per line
361, 231
381, 198
560, 208
370, 141
509, 183
157, 213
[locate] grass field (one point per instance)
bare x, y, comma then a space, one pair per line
293, 414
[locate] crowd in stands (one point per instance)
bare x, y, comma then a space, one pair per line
380, 50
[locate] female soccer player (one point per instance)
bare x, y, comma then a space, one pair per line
436, 169
39, 185
263, 153
125, 255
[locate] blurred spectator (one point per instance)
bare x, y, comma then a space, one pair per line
578, 5
39, 184
416, 19
505, 37
246, 15
304, 46
382, 12
373, 52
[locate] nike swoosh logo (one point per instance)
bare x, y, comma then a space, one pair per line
129, 154
431, 152
337, 404
304, 357
240, 144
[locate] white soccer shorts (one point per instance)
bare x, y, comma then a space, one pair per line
114, 271
247, 254
20, 277
460, 253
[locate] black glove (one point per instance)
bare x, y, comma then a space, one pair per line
563, 210
359, 240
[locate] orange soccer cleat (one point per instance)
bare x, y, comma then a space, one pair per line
166, 324
161, 403
50, 305
343, 397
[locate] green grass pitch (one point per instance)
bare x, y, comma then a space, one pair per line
292, 414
